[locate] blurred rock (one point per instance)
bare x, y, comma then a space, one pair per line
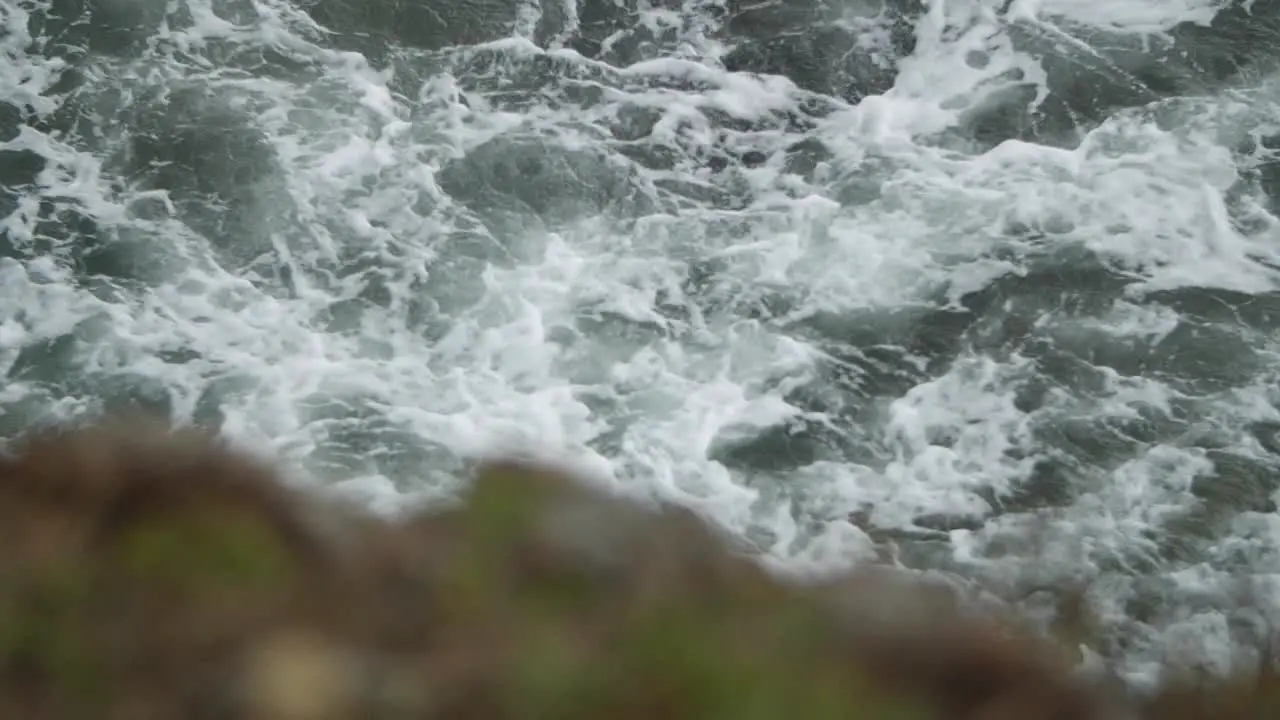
146, 573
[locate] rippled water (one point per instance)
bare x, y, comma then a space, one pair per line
988, 287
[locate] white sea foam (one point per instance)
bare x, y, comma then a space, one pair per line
1132, 16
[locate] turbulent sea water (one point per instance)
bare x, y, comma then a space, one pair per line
988, 287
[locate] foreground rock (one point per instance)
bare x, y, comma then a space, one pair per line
145, 574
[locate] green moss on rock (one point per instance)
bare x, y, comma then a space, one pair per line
204, 554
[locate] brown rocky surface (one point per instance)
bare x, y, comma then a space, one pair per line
154, 574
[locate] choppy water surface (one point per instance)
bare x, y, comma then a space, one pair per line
988, 286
